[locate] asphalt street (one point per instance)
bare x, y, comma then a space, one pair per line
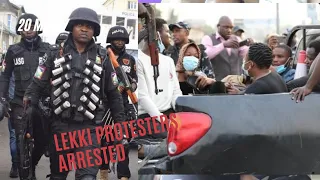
43, 167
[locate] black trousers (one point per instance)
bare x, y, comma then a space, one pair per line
61, 129
122, 166
154, 135
40, 137
123, 169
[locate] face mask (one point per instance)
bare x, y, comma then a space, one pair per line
280, 69
161, 46
246, 72
190, 63
117, 49
31, 39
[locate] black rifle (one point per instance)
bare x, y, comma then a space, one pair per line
150, 33
45, 113
26, 143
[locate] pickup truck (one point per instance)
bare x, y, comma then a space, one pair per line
244, 134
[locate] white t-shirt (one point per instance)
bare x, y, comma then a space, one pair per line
167, 81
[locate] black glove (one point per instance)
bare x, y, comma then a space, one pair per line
26, 101
133, 83
4, 108
124, 140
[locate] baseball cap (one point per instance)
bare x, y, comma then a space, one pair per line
180, 25
237, 28
272, 35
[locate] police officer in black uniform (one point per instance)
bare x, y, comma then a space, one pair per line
23, 59
80, 86
59, 42
118, 37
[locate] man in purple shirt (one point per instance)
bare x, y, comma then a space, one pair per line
224, 49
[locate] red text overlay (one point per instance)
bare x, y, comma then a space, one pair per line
81, 139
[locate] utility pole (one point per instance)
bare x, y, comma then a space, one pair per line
278, 18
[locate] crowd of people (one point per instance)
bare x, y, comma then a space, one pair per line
242, 65
225, 56
63, 87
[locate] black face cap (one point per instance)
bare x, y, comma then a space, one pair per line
180, 25
237, 28
61, 37
84, 15
118, 33
26, 16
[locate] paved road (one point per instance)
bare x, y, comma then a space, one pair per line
43, 167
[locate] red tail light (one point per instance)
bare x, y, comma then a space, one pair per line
185, 130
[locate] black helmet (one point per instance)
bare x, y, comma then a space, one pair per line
26, 16
118, 33
84, 14
61, 37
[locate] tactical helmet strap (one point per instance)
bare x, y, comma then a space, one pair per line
116, 49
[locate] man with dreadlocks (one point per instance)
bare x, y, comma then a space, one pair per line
257, 65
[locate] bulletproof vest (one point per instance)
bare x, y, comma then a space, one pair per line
224, 64
25, 65
76, 92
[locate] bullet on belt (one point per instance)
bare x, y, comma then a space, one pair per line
61, 108
62, 88
87, 91
94, 66
85, 112
89, 83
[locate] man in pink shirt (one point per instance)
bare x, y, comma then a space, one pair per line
224, 49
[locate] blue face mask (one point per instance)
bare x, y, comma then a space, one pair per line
190, 63
280, 69
161, 46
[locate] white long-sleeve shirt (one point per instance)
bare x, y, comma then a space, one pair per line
149, 102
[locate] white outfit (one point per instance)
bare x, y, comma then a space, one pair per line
167, 81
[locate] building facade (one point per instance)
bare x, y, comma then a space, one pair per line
9, 13
122, 13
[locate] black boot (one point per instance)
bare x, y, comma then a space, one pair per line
34, 175
47, 153
14, 172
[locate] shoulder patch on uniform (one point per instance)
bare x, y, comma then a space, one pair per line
126, 61
98, 60
39, 73
43, 59
114, 78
